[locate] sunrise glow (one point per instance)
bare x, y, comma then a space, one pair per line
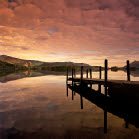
86, 31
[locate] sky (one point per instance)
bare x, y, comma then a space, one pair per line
87, 31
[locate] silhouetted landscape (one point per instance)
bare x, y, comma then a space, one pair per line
69, 69
10, 63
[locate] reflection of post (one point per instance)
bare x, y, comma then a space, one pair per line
126, 124
99, 88
87, 73
128, 70
67, 91
106, 90
105, 121
72, 95
81, 102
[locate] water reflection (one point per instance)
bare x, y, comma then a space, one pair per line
115, 105
5, 77
135, 73
35, 105
19, 75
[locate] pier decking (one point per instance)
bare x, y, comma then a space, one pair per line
103, 82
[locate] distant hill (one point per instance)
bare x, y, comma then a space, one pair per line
26, 63
63, 64
5, 65
134, 64
35, 63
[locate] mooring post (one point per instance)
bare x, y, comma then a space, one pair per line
72, 75
106, 70
90, 73
72, 82
99, 86
81, 72
67, 75
87, 73
90, 77
128, 70
106, 76
105, 110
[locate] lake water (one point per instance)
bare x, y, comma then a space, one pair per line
35, 105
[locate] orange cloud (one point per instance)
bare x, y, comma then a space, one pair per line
72, 30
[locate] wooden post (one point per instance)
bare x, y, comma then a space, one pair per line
106, 70
106, 76
72, 76
90, 77
67, 75
90, 73
128, 78
74, 73
100, 72
72, 82
128, 70
81, 72
99, 85
87, 73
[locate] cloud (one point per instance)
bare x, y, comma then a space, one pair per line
51, 31
84, 27
41, 38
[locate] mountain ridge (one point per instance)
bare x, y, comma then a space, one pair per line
134, 64
36, 63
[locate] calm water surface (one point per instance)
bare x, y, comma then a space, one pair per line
38, 107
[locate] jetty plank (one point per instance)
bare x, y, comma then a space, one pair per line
102, 81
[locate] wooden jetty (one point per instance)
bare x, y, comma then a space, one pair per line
106, 82
120, 97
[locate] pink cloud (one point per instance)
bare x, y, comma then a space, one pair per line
109, 27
